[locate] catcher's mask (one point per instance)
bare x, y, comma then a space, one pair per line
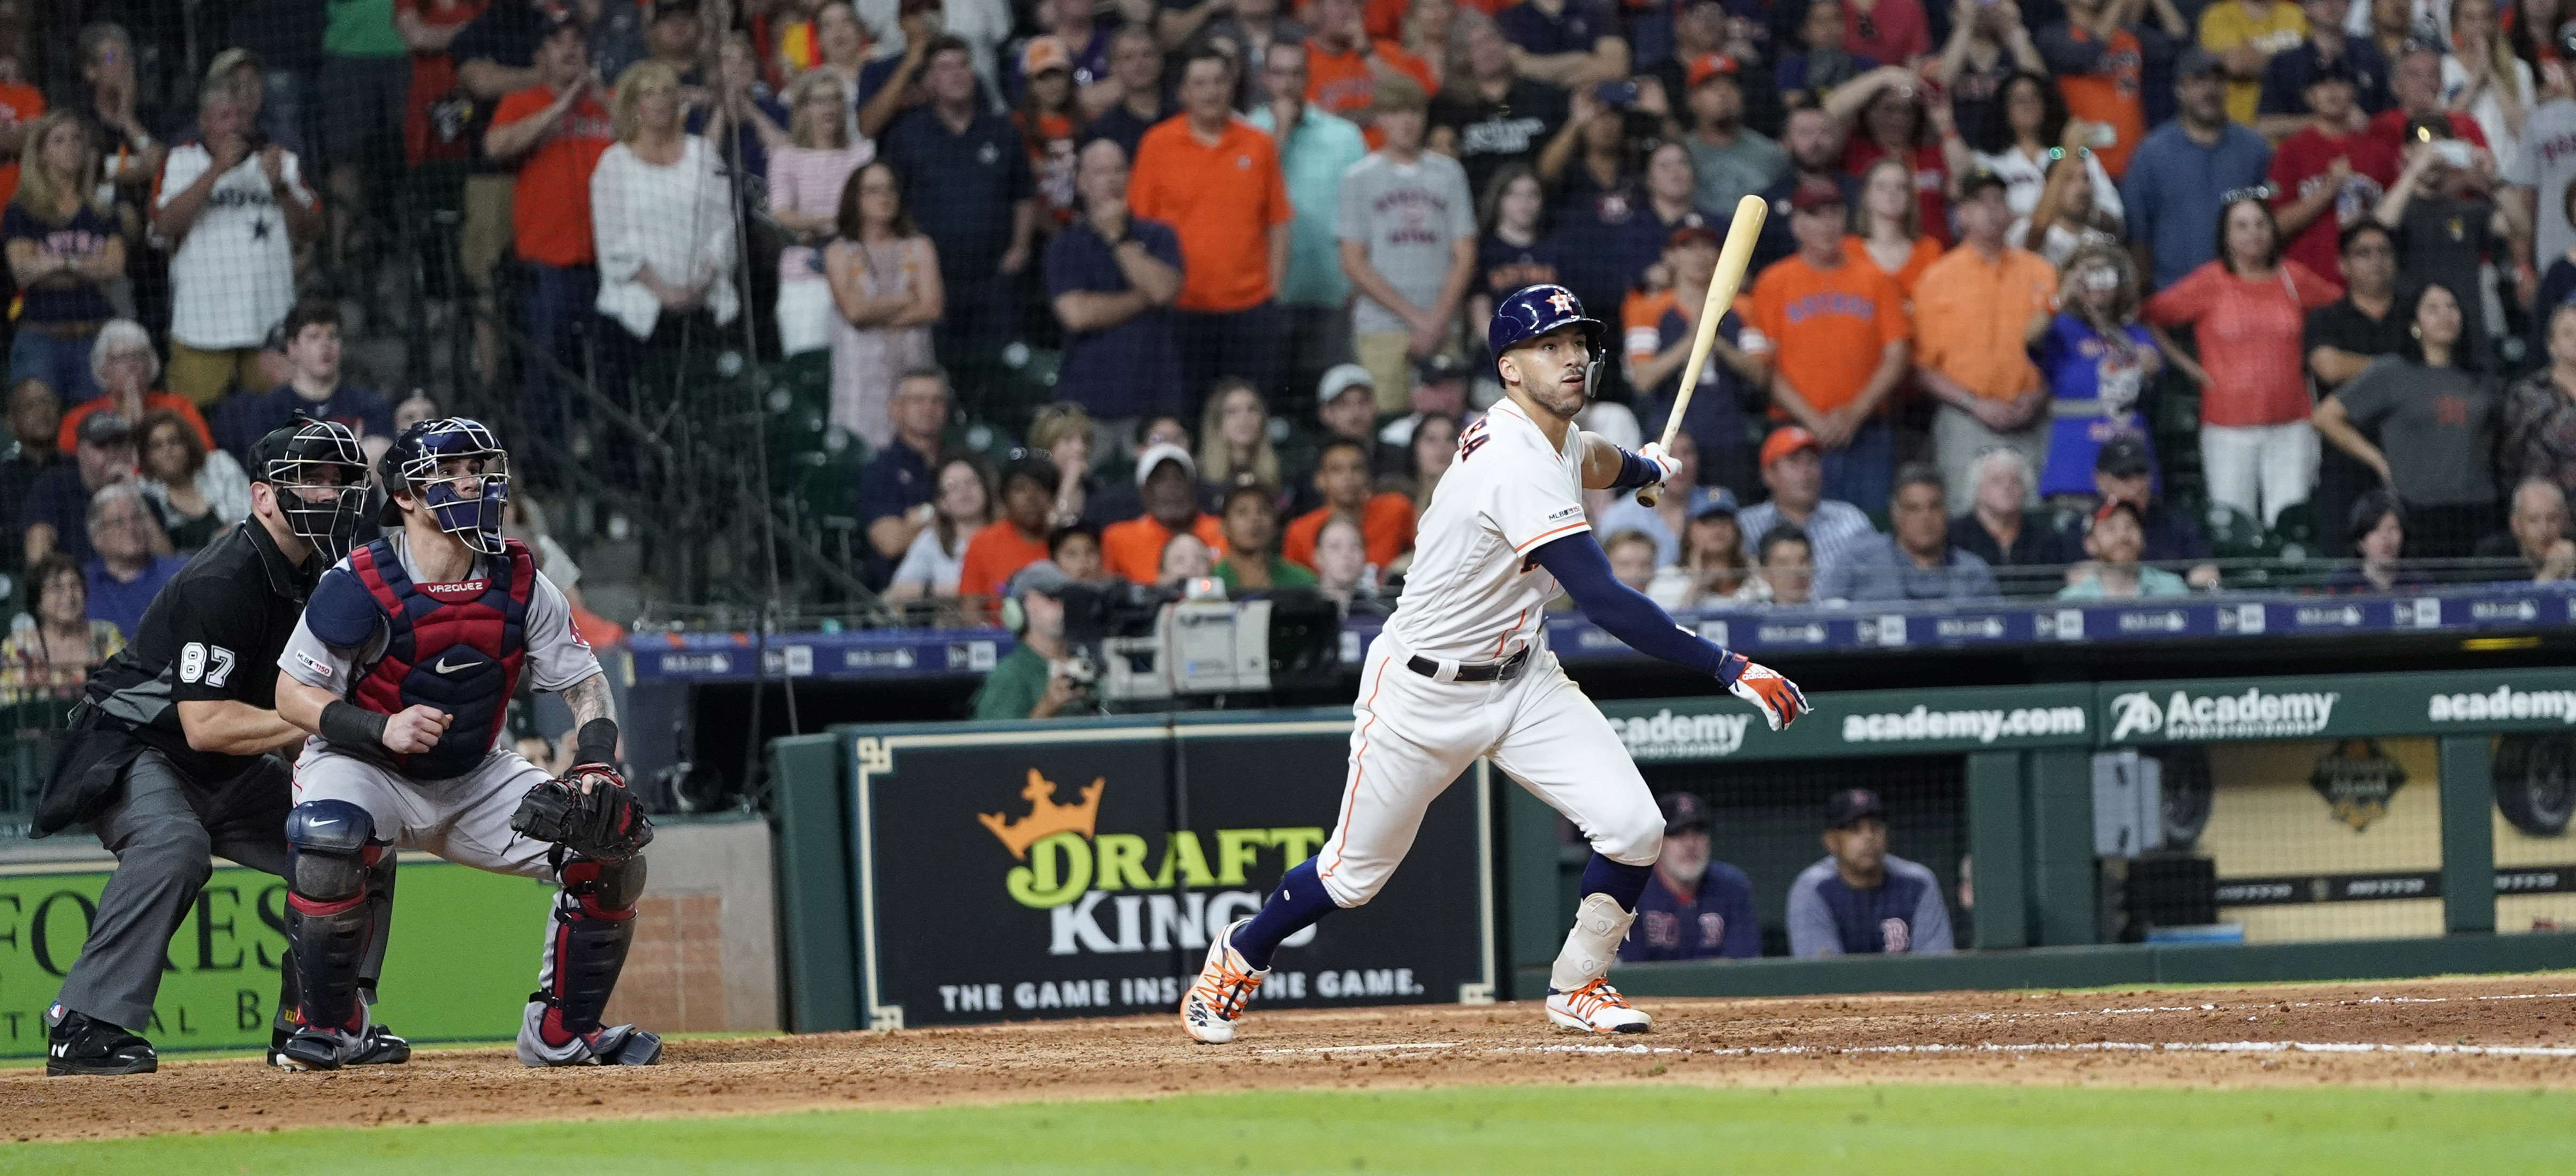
319, 475
459, 474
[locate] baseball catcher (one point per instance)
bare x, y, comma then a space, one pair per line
401, 670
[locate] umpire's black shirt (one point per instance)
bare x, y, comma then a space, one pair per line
214, 633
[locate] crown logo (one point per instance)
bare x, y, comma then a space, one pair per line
1046, 818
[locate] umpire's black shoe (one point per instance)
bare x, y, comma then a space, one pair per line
378, 1047
76, 1043
310, 1049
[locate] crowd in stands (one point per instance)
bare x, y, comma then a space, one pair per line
2074, 297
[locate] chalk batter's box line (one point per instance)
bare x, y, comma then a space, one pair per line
2325, 1047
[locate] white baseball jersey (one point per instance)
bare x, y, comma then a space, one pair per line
1474, 595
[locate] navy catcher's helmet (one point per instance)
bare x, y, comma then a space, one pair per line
1537, 310
466, 502
320, 477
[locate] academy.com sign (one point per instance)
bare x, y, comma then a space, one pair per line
2501, 703
1666, 735
1981, 726
2254, 714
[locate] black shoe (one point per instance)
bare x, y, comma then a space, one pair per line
632, 1047
80, 1044
308, 1049
379, 1047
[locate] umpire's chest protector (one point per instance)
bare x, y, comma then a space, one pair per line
457, 647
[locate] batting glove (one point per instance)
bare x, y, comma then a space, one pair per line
1665, 465
1779, 699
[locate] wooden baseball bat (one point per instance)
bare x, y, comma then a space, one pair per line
1731, 262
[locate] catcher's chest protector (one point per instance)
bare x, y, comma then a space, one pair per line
457, 647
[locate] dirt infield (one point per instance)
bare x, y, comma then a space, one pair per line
2515, 1032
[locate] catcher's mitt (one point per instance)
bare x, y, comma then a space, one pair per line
605, 823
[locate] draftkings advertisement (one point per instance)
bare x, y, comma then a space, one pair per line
1007, 875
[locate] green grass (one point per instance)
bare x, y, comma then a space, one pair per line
1908, 1130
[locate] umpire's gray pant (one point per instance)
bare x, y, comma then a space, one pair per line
164, 844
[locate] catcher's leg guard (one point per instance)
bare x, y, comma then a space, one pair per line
594, 923
329, 923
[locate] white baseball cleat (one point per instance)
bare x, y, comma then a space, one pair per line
1215, 1000
1595, 1008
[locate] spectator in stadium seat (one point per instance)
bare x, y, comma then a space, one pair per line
1712, 569
63, 252
2535, 533
740, 119
2284, 105
124, 367
551, 135
431, 132
896, 488
1632, 558
20, 106
54, 516
1814, 143
1976, 313
2435, 415
2172, 188
1047, 116
2098, 54
2377, 532
2484, 78
362, 86
2097, 361
1832, 340
1696, 908
2019, 543
1887, 228
1891, 119
1435, 448
1252, 560
1111, 278
1861, 899
25, 456
1685, 491
1343, 573
1342, 480
961, 507
2542, 178
1819, 62
664, 216
495, 57
1346, 407
1167, 481
614, 34
2447, 224
51, 658
2540, 411
2114, 535
807, 174
1667, 209
967, 183
2245, 34
1234, 437
130, 558
1982, 55
234, 215
1565, 43
1076, 549
1252, 28
1493, 116
1439, 390
1116, 502
1914, 560
1063, 432
1185, 557
1136, 64
886, 292
1729, 160
1315, 147
1793, 470
2344, 336
2415, 83
2247, 309
315, 388
197, 493
1031, 681
1216, 180
2124, 470
1787, 561
2026, 138
1017, 536
1892, 31
121, 119
1344, 64
1406, 229
1599, 193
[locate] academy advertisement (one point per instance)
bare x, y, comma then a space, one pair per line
1880, 721
1004, 877
458, 967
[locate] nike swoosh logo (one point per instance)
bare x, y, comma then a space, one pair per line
444, 668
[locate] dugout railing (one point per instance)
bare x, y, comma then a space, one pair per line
2289, 828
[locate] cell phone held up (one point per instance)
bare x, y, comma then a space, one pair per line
1615, 94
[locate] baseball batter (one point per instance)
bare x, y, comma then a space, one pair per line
401, 669
1460, 671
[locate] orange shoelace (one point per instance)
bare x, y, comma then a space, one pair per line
1593, 997
1227, 992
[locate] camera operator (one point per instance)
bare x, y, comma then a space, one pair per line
1041, 679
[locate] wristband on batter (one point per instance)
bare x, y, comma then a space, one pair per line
597, 743
353, 726
1635, 471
